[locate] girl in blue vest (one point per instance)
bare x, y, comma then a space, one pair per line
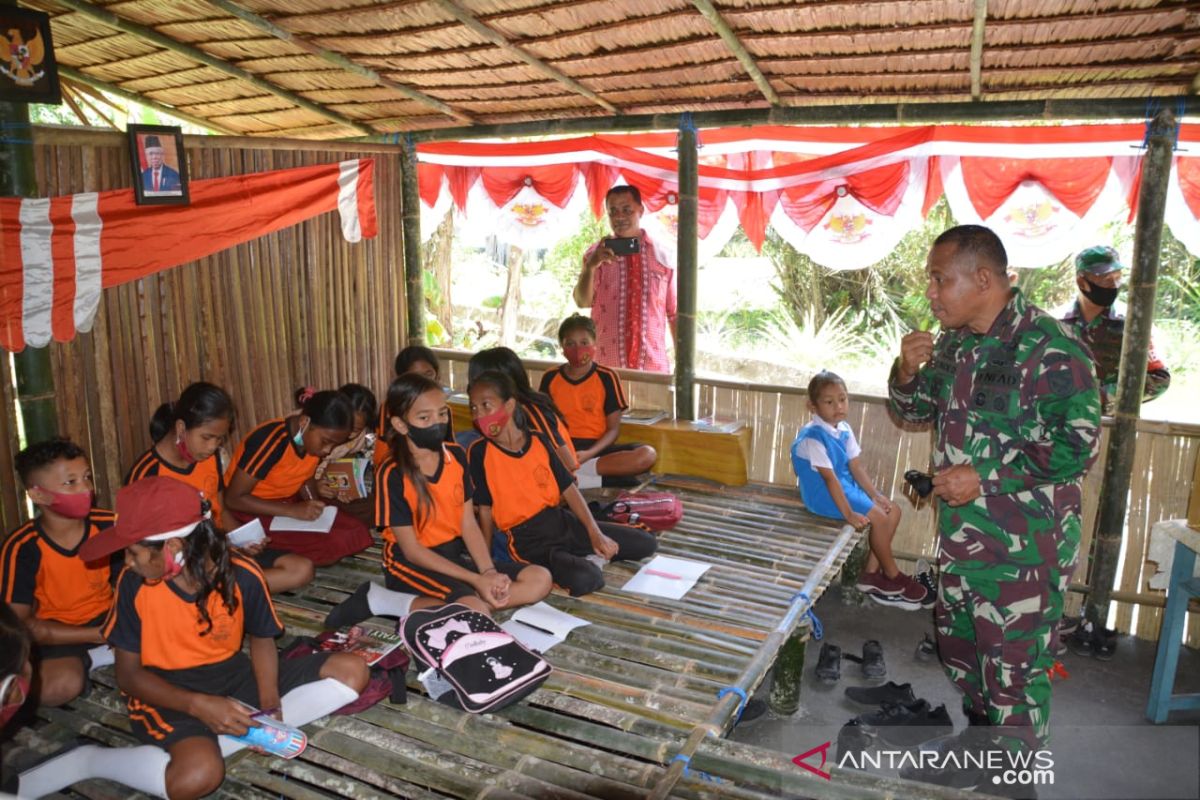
833, 483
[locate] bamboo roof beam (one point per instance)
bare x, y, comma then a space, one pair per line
76, 109
710, 13
339, 60
94, 100
977, 49
75, 76
143, 32
462, 15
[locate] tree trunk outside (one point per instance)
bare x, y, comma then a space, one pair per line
509, 309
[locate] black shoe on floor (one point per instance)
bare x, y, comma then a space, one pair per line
829, 663
923, 725
852, 738
926, 649
924, 576
873, 665
1080, 641
890, 692
1104, 643
956, 773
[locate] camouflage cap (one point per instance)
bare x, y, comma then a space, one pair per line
1098, 260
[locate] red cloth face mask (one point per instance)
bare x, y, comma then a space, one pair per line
73, 506
7, 710
184, 452
491, 424
580, 354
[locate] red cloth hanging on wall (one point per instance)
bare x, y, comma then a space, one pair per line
880, 189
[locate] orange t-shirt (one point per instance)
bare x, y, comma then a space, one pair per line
549, 424
519, 485
269, 456
585, 403
204, 475
162, 623
396, 499
61, 586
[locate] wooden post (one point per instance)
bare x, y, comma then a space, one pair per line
35, 378
1143, 285
785, 682
414, 277
685, 322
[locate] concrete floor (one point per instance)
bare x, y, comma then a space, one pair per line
1101, 743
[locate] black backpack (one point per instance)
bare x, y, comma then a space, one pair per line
485, 667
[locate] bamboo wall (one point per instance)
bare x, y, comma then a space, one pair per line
298, 307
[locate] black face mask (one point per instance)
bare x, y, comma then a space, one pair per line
429, 438
1103, 296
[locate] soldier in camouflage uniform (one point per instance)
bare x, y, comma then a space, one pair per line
1102, 328
1013, 400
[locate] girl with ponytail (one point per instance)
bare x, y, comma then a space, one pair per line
433, 547
188, 436
184, 604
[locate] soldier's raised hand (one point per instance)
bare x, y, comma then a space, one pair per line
915, 349
957, 485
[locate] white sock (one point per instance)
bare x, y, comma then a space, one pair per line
386, 603
101, 655
587, 477
301, 706
143, 768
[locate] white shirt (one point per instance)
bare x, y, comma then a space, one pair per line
814, 451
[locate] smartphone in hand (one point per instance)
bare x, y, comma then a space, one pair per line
624, 245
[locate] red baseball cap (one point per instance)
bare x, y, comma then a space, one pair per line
152, 509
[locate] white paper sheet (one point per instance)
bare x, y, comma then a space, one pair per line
541, 626
321, 524
250, 533
666, 577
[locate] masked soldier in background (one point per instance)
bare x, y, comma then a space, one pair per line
1012, 397
1098, 275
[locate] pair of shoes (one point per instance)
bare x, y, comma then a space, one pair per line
1089, 640
923, 575
829, 661
900, 591
890, 692
926, 649
908, 724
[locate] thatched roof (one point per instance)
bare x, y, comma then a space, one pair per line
440, 63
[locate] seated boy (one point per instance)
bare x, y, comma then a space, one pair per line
591, 400
61, 598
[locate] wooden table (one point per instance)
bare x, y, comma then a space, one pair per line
1183, 586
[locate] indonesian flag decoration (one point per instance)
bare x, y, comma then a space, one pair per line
1183, 202
57, 254
1044, 209
526, 218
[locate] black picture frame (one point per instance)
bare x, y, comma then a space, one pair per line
28, 71
148, 143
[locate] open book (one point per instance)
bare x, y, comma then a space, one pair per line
368, 644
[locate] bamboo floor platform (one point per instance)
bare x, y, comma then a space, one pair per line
629, 692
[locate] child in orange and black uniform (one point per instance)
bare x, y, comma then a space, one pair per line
362, 439
187, 436
519, 487
591, 400
543, 416
59, 596
272, 475
184, 604
423, 505
415, 359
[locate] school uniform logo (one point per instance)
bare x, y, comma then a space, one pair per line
542, 477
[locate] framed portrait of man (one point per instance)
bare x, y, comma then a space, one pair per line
159, 166
28, 73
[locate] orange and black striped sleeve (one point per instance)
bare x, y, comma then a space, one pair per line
258, 612
548, 378
391, 506
123, 627
614, 393
20, 560
144, 467
263, 448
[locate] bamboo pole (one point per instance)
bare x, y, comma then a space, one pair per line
414, 278
1143, 286
685, 322
784, 698
470, 22
710, 13
338, 59
75, 76
844, 114
106, 17
723, 711
977, 49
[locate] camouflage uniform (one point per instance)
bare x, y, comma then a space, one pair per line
1020, 405
1103, 336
